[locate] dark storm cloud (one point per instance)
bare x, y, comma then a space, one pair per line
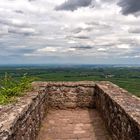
129, 6
82, 47
72, 5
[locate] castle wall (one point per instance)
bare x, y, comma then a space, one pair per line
119, 109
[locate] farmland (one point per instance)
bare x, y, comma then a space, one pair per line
125, 77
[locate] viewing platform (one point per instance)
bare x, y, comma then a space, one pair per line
75, 124
72, 111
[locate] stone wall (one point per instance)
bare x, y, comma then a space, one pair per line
70, 95
22, 120
120, 110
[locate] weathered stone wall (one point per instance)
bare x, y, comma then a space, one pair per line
120, 110
22, 120
70, 95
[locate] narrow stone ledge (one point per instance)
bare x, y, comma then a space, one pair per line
129, 103
66, 84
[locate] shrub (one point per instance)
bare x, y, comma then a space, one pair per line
10, 88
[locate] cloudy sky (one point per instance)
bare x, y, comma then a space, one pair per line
70, 31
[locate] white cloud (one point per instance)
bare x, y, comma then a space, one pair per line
101, 49
123, 46
37, 29
47, 49
72, 42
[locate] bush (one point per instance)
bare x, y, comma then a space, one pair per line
11, 88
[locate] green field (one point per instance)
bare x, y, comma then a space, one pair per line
126, 77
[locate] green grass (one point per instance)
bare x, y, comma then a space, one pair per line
10, 88
131, 85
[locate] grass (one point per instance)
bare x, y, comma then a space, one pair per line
11, 88
131, 85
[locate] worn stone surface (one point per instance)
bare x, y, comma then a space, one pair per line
120, 110
70, 95
22, 120
66, 84
77, 124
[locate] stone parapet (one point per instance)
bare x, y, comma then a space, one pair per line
66, 84
65, 95
22, 120
120, 110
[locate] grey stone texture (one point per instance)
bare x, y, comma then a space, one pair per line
73, 124
22, 120
70, 95
119, 109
